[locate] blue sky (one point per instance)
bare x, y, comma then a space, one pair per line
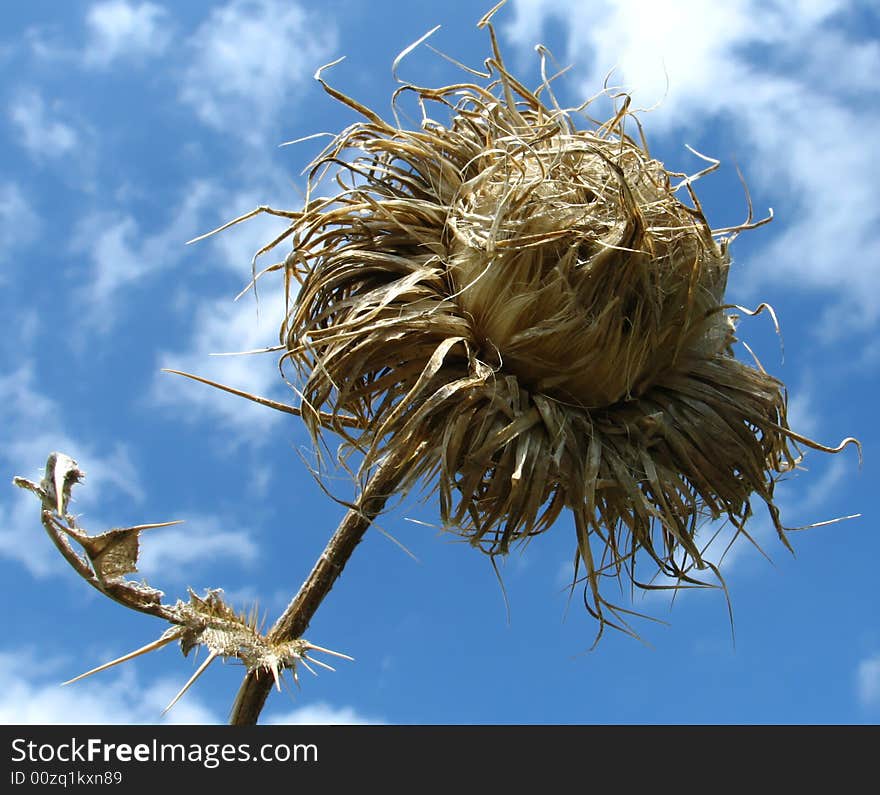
130, 127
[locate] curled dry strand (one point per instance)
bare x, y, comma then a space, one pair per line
201, 621
522, 309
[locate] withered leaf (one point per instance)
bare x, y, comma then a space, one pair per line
62, 472
115, 553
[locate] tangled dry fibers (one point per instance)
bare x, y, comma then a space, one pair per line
529, 318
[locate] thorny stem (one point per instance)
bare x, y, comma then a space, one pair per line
204, 621
125, 593
295, 620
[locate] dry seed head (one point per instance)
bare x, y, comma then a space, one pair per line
526, 314
566, 246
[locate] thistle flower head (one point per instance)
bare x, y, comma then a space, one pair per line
526, 310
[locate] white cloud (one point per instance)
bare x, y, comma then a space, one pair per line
30, 428
868, 681
224, 326
18, 221
112, 249
771, 74
320, 714
260, 480
701, 48
46, 43
249, 58
123, 30
116, 31
41, 135
803, 416
176, 553
714, 537
238, 244
32, 695
121, 254
832, 475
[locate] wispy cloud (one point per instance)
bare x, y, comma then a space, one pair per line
32, 694
770, 72
116, 32
802, 412
121, 254
321, 713
18, 221
179, 552
248, 60
121, 30
687, 53
238, 244
868, 681
40, 133
224, 326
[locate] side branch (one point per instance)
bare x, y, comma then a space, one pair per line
202, 621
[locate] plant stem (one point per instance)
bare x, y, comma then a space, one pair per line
295, 620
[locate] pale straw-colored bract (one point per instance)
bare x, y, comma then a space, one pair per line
528, 311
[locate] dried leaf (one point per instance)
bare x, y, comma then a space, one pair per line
61, 474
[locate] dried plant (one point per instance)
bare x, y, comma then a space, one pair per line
202, 621
518, 308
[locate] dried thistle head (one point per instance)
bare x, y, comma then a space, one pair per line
527, 315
